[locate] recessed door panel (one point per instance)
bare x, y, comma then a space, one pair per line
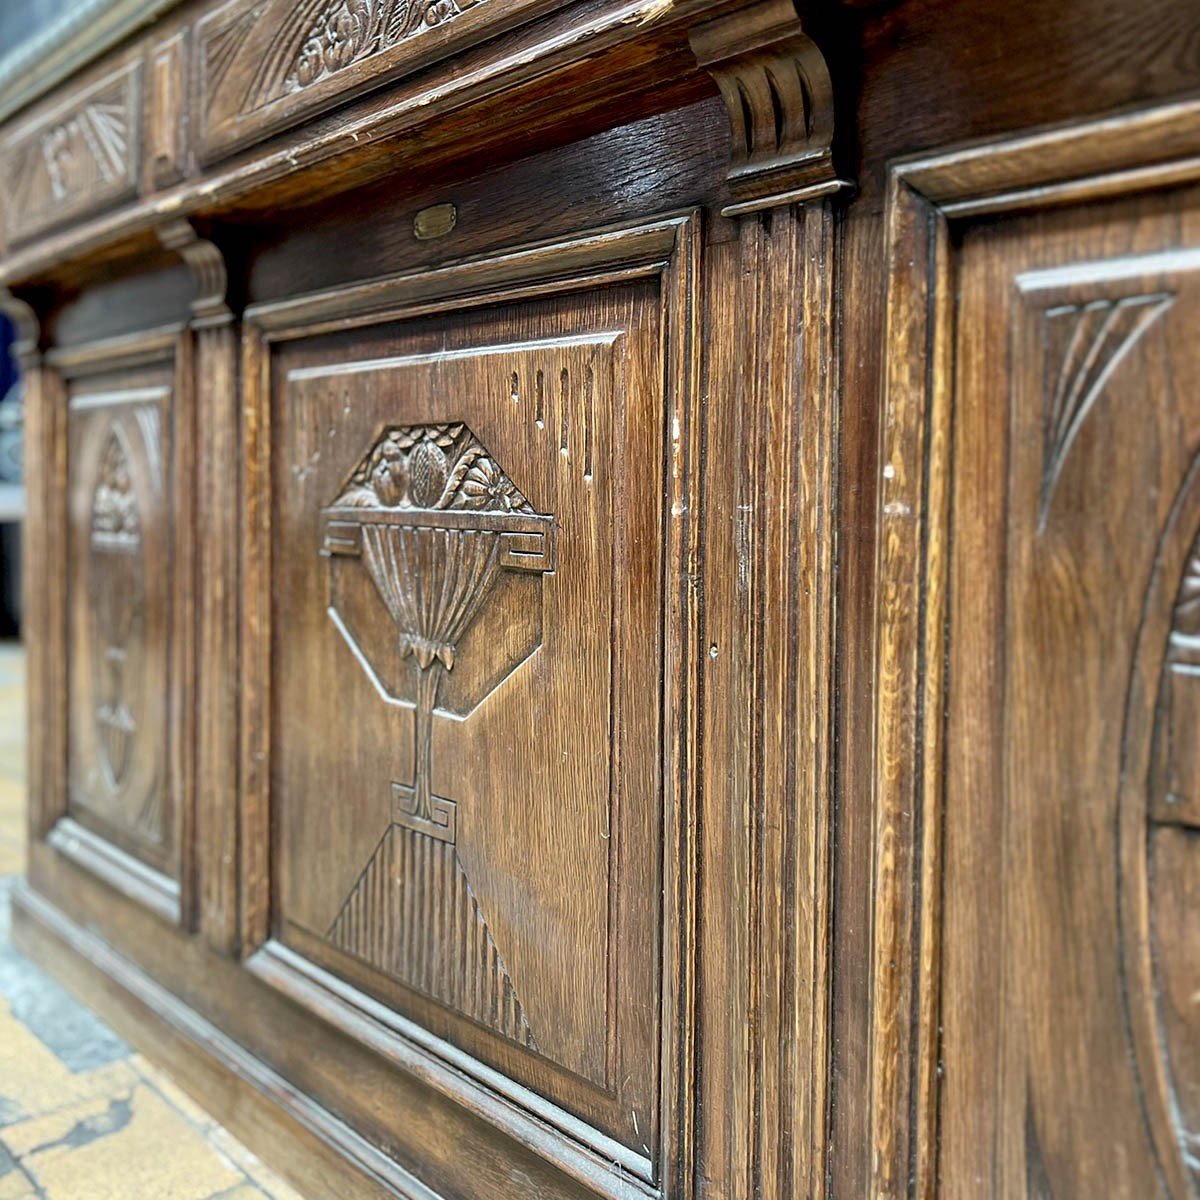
1068, 1035
119, 506
468, 678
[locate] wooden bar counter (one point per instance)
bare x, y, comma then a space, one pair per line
613, 586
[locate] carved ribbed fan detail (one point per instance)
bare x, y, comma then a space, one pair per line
413, 916
1084, 343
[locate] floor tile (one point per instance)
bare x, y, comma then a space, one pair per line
34, 1081
82, 1117
129, 1145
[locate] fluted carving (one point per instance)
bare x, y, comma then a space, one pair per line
777, 89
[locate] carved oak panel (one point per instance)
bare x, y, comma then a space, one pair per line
266, 65
79, 157
118, 582
467, 665
1070, 962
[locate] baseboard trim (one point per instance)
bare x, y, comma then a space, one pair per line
318, 1153
118, 869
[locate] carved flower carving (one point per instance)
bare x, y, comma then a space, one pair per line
340, 36
486, 487
439, 11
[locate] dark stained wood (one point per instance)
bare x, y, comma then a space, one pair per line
546, 388
118, 572
1026, 920
612, 594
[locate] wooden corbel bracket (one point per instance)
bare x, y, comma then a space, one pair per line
777, 89
24, 350
207, 264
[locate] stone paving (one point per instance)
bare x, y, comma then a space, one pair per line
83, 1117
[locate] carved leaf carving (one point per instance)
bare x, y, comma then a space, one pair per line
323, 37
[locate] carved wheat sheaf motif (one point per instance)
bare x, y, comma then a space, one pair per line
434, 520
325, 36
1084, 343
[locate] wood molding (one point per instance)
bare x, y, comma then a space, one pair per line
767, 746
166, 145
118, 869
78, 36
163, 887
593, 260
1145, 150
107, 354
777, 89
43, 624
463, 96
528, 1118
307, 1143
209, 656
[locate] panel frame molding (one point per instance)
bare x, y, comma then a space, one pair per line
49, 822
1147, 149
279, 1122
665, 249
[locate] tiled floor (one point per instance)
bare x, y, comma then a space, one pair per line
82, 1117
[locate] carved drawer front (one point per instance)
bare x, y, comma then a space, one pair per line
267, 65
120, 816
468, 676
81, 156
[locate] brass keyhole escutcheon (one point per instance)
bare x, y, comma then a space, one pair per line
434, 222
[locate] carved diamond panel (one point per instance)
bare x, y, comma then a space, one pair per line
118, 586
